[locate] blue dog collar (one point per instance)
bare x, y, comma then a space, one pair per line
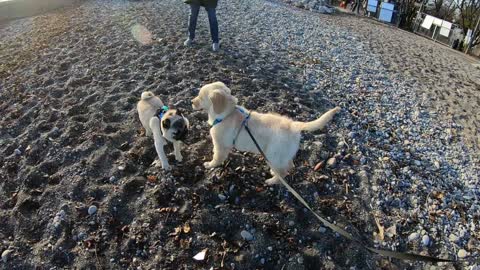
247, 116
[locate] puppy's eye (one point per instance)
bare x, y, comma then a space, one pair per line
166, 124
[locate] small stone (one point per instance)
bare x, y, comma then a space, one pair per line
222, 197
92, 210
413, 237
462, 253
291, 223
331, 162
81, 236
322, 229
453, 238
112, 179
17, 152
6, 255
300, 260
425, 240
319, 166
246, 235
121, 168
262, 261
270, 248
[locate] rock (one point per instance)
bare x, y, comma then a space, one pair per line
462, 253
300, 260
262, 261
322, 229
112, 179
246, 235
331, 162
121, 168
319, 166
222, 197
412, 237
201, 255
82, 236
270, 248
291, 223
17, 152
453, 238
92, 210
6, 255
425, 240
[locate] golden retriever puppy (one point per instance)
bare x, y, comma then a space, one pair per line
163, 124
278, 136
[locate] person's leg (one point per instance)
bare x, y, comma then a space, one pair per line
212, 19
192, 24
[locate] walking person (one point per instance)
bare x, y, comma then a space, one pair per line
210, 6
355, 5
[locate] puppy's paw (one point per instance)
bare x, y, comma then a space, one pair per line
209, 165
272, 181
165, 166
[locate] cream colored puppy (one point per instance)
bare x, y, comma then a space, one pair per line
278, 136
162, 124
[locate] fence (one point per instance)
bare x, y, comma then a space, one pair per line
439, 30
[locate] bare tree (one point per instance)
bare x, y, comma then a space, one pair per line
407, 12
469, 13
443, 9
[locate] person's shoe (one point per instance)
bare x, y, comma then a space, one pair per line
188, 42
215, 46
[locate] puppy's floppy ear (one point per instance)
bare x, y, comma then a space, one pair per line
179, 112
166, 123
219, 101
227, 90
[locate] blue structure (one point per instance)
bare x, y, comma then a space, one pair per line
372, 6
386, 12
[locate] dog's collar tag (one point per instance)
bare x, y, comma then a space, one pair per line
162, 112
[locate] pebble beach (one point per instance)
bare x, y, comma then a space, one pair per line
398, 166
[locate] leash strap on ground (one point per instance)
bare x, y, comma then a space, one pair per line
341, 231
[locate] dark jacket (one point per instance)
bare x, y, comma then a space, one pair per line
205, 3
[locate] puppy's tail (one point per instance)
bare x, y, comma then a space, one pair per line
316, 124
147, 95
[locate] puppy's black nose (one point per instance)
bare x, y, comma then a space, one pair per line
181, 130
179, 125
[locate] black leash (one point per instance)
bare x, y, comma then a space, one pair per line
335, 228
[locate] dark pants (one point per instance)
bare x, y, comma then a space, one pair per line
356, 5
212, 18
